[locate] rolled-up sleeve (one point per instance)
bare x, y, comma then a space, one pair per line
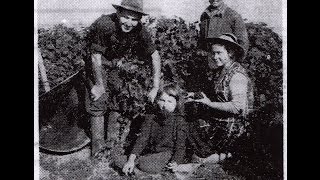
98, 32
239, 90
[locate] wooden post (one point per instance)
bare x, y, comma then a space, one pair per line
43, 72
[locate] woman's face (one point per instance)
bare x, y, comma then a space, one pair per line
167, 102
216, 3
128, 20
218, 56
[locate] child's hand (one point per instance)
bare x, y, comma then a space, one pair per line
128, 168
119, 63
173, 166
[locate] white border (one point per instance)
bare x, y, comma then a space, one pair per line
284, 49
36, 95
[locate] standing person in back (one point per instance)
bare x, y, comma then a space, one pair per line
218, 19
114, 40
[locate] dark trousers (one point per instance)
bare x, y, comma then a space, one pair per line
150, 163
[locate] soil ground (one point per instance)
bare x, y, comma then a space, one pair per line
78, 165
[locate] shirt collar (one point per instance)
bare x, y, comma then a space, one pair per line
216, 12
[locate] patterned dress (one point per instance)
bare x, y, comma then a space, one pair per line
214, 131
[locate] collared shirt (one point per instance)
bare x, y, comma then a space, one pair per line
106, 37
211, 11
226, 20
133, 50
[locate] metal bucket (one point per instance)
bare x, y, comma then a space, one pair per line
62, 119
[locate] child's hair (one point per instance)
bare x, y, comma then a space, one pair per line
173, 90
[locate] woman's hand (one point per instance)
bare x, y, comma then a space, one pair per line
189, 97
205, 100
190, 94
128, 167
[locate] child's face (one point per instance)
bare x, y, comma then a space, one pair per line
167, 102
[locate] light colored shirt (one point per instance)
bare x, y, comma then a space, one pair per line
239, 88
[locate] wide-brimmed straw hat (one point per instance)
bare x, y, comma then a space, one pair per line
132, 5
230, 40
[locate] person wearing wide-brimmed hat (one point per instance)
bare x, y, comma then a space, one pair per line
223, 106
113, 39
218, 18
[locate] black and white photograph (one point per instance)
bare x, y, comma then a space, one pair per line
160, 90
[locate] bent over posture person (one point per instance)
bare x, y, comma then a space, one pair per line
161, 143
223, 106
114, 40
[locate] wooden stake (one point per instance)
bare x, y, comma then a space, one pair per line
43, 72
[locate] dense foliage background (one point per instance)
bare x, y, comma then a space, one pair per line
62, 49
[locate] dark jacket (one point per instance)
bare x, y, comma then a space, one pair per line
227, 21
161, 133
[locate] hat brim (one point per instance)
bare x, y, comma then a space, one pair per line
239, 50
129, 8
